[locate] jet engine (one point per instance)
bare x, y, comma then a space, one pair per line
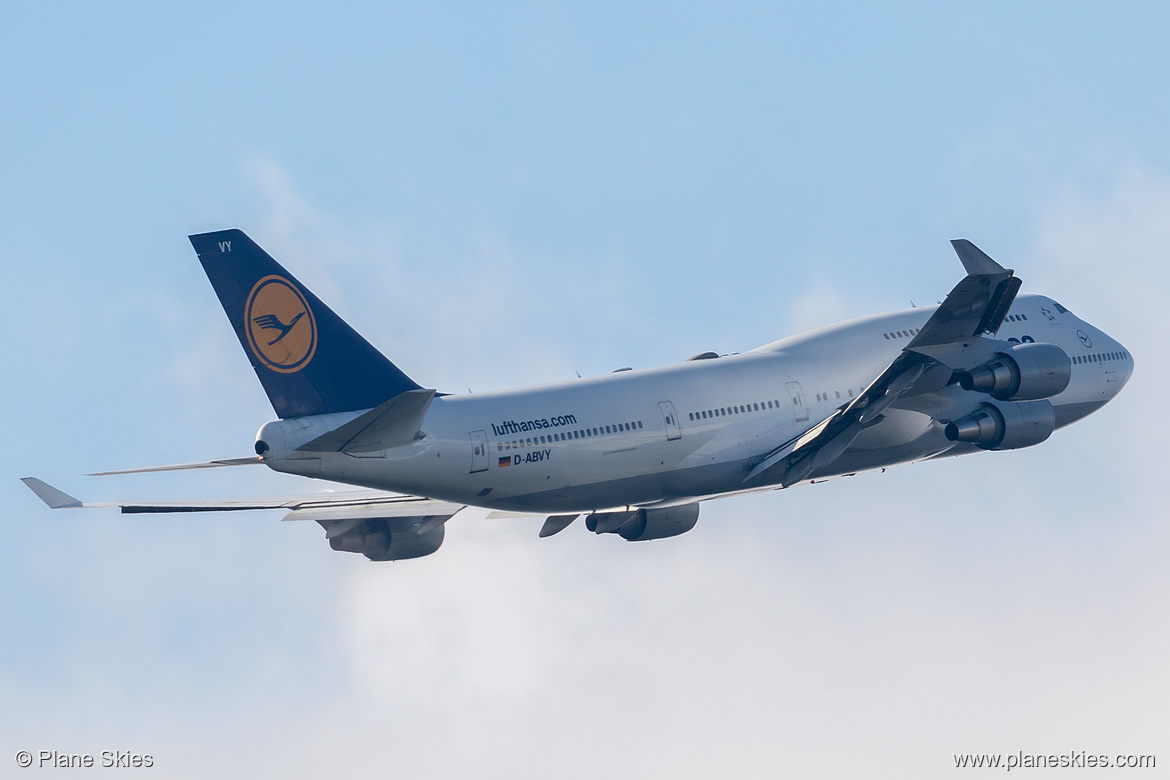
645, 524
1024, 372
377, 541
1005, 426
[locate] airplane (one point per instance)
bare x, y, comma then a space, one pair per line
636, 451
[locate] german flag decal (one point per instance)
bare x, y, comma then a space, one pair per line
505, 461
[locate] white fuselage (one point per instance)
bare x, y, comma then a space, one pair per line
692, 430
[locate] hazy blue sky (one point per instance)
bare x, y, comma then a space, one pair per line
505, 196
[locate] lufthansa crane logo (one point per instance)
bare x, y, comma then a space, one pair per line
280, 326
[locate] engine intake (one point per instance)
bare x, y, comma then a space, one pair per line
377, 541
645, 524
1024, 372
1005, 426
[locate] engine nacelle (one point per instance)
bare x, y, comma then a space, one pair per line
377, 541
1024, 372
645, 524
1005, 426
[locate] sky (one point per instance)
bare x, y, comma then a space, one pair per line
499, 195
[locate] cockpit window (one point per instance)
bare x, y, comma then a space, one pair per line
1060, 308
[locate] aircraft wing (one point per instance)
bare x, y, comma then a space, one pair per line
322, 507
952, 339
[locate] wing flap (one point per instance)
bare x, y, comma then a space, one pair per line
555, 524
413, 507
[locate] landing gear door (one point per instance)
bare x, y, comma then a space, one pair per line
479, 451
798, 407
673, 431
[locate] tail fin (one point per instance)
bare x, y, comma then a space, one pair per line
307, 358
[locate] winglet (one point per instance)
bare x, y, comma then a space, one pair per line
974, 259
55, 498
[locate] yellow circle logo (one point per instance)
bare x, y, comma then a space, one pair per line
280, 326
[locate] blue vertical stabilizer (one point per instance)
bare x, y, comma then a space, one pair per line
308, 359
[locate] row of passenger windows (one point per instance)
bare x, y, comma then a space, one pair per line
1101, 357
905, 334
825, 396
581, 433
725, 411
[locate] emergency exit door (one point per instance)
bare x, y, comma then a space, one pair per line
798, 407
479, 451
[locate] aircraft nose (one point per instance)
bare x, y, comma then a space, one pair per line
1126, 364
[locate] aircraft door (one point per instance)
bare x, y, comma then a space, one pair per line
673, 431
798, 407
479, 451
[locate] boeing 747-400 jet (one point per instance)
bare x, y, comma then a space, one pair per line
637, 451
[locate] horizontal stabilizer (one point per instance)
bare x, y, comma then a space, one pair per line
204, 464
392, 424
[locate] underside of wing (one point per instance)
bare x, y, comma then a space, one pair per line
382, 526
951, 340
